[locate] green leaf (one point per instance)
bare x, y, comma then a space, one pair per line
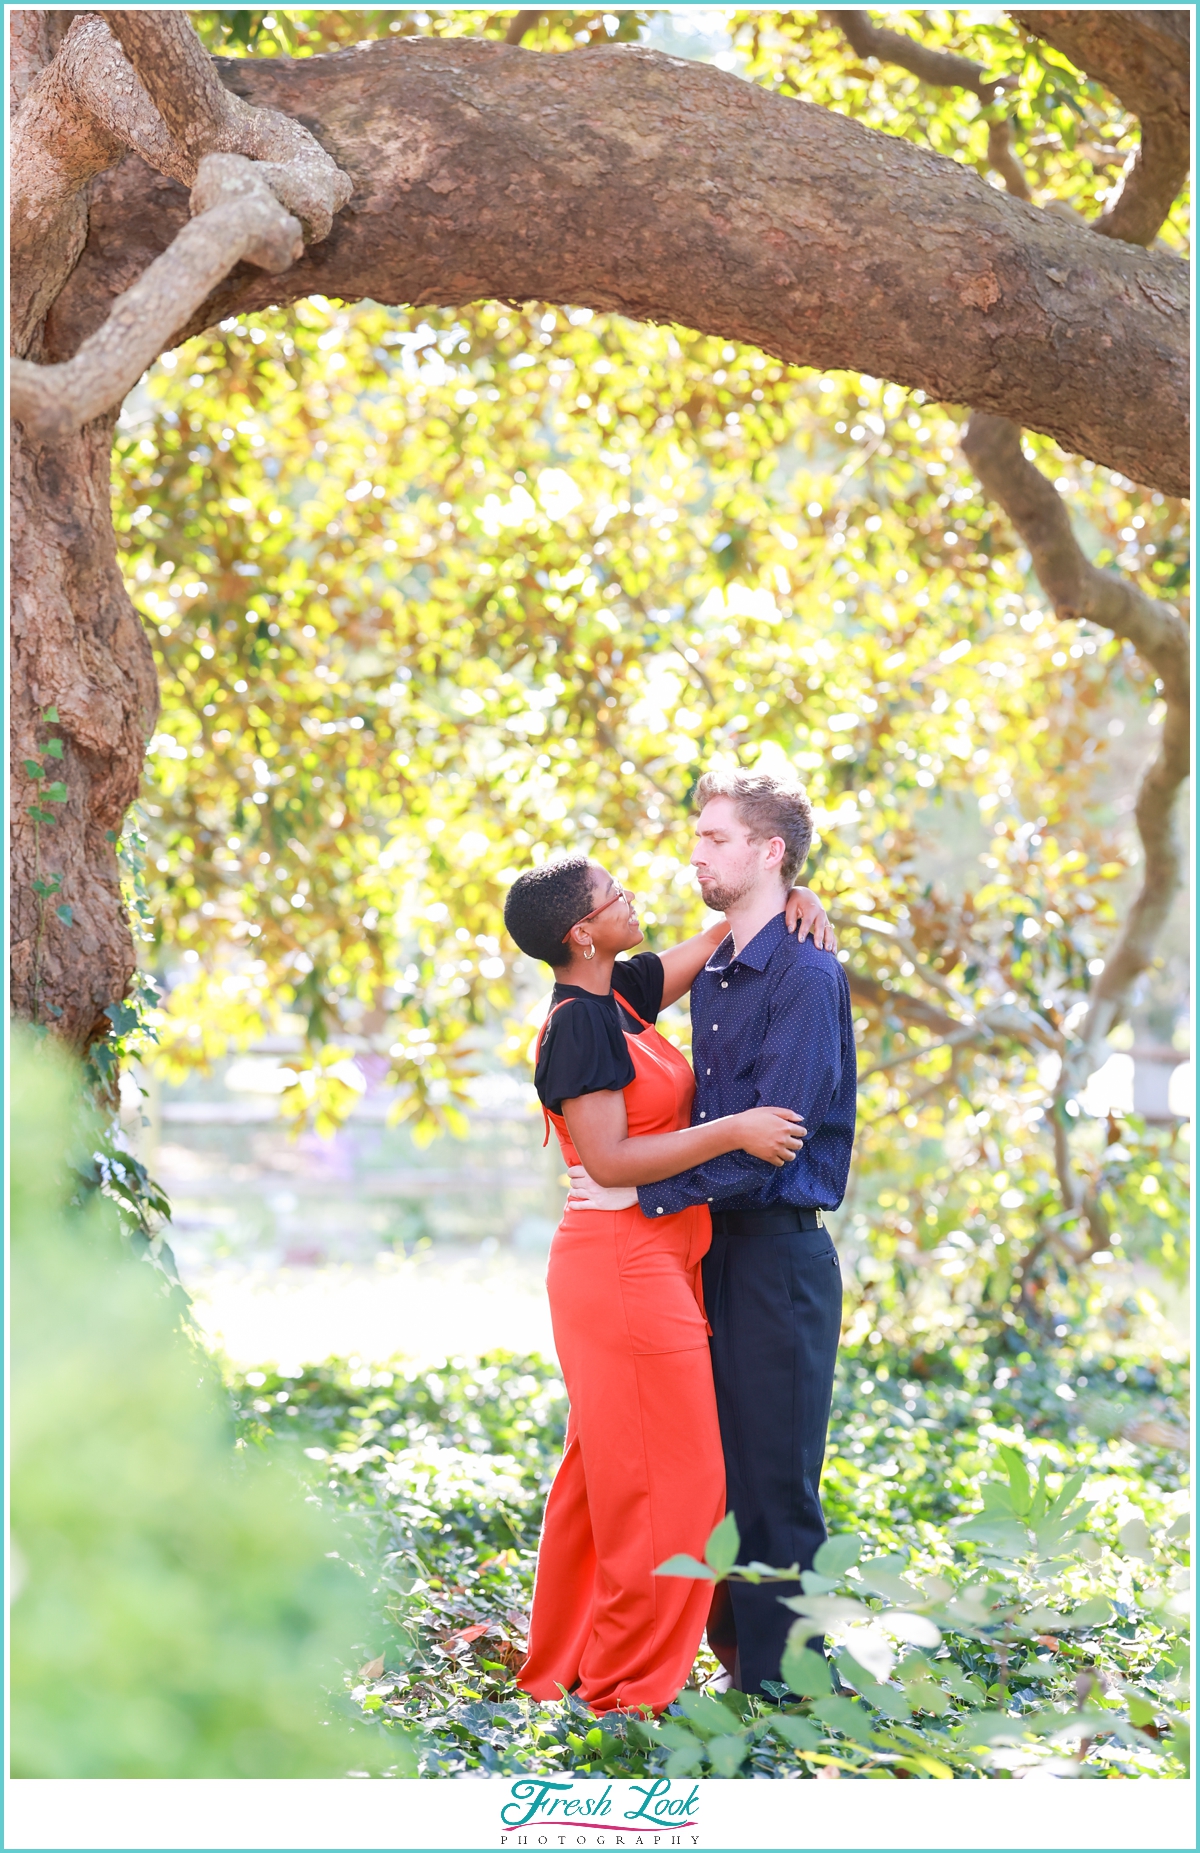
993, 1727
705, 1713
846, 1716
33, 768
1018, 1480
884, 1698
1141, 1711
805, 1671
727, 1754
683, 1565
51, 715
1135, 1540
924, 1695
123, 1016
795, 1731
685, 1762
1052, 1536
827, 1611
960, 1683
674, 1732
1042, 1620
1058, 1506
814, 1585
53, 749
721, 1551
884, 1577
65, 915
55, 793
837, 1555
1091, 1614
1003, 1538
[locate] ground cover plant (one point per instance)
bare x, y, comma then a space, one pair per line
1011, 1581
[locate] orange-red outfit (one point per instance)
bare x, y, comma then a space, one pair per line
642, 1476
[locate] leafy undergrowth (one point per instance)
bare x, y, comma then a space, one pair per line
1039, 1641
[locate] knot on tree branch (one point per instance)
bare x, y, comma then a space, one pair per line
203, 118
261, 187
251, 214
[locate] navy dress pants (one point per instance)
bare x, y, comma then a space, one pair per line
775, 1305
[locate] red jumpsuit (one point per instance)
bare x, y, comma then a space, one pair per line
642, 1476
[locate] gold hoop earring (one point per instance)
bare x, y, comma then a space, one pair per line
589, 952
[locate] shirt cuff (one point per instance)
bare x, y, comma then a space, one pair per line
666, 1199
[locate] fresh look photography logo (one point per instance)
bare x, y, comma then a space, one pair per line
548, 1813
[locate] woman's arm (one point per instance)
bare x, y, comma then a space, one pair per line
681, 963
599, 1132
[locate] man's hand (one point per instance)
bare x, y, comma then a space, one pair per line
802, 907
586, 1194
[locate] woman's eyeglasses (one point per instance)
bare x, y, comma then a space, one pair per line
620, 895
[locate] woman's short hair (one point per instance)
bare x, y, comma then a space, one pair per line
768, 804
545, 903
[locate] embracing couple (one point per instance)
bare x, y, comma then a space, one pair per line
694, 1291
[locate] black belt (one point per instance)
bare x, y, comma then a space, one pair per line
787, 1220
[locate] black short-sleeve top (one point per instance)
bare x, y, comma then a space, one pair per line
583, 1050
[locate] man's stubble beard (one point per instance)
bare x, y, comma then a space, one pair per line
722, 899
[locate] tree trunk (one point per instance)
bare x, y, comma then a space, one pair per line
78, 647
621, 179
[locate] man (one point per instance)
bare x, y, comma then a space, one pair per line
771, 1026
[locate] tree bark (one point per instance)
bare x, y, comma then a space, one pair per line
77, 646
624, 180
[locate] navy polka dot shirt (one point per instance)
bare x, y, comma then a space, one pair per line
771, 1027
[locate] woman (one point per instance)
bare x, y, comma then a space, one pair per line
642, 1476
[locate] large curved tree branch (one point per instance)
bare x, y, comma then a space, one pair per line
622, 179
75, 120
1144, 58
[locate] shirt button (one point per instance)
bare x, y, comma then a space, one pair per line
714, 1026
704, 1116
708, 1071
724, 984
660, 1211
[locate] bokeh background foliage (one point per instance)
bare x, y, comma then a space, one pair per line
438, 594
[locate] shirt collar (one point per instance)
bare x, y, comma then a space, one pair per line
757, 954
562, 991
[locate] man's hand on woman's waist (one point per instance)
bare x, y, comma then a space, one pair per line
586, 1194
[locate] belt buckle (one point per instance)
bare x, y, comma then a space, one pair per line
820, 1220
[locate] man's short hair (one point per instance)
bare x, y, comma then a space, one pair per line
768, 804
544, 904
